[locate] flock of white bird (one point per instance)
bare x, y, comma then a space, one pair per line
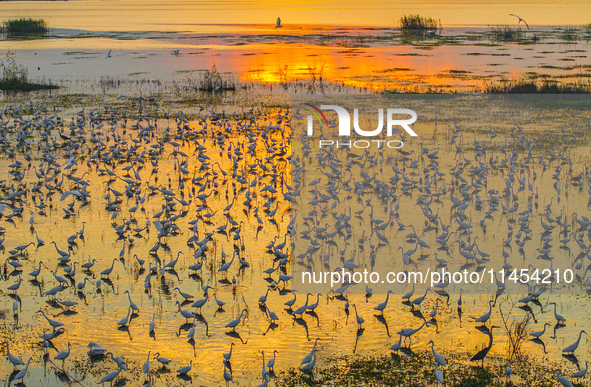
112, 157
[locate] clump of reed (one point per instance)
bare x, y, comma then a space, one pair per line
25, 26
213, 80
506, 33
419, 23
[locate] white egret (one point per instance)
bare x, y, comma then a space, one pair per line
309, 366
481, 355
54, 323
417, 301
187, 314
438, 358
186, 296
35, 273
563, 380
359, 319
108, 378
234, 323
162, 360
132, 304
21, 375
108, 270
152, 324
308, 357
381, 306
125, 320
573, 347
408, 295
13, 359
559, 318
63, 354
291, 302
581, 373
228, 356
409, 332
96, 349
185, 370
538, 334
146, 365
118, 360
271, 362
485, 317
300, 311
438, 374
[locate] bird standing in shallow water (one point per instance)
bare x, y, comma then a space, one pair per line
573, 347
146, 365
310, 366
108, 378
482, 354
63, 355
359, 319
13, 359
438, 374
271, 362
21, 375
186, 369
581, 373
563, 380
438, 358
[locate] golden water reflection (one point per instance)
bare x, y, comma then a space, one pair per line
96, 316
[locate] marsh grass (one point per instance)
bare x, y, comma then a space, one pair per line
416, 369
418, 23
530, 86
213, 80
506, 33
570, 34
25, 26
15, 76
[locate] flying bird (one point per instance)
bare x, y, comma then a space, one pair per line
520, 20
69, 193
278, 23
108, 55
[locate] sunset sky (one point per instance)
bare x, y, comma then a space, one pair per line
169, 15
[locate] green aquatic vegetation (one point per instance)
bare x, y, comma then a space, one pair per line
416, 369
418, 23
25, 26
